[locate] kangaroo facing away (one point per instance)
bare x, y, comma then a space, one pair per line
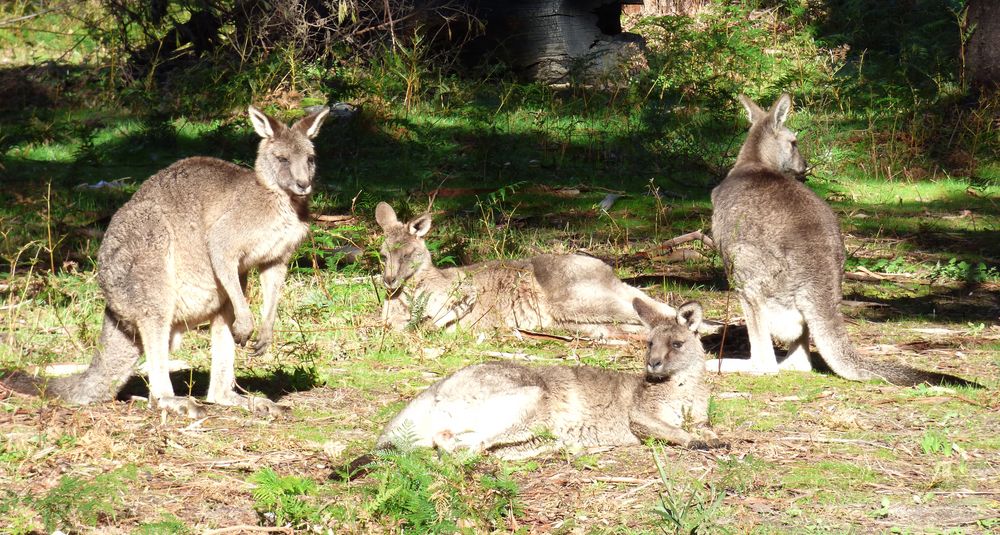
783, 251
573, 292
177, 254
516, 411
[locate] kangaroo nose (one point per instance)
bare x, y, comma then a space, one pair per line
390, 282
654, 364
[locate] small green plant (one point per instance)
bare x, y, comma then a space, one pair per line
76, 502
965, 271
167, 525
685, 508
424, 492
279, 499
935, 443
882, 511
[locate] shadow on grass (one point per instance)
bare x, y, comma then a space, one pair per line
274, 384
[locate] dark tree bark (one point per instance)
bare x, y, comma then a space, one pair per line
554, 40
982, 53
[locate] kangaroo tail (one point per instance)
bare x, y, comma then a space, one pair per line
359, 467
901, 374
839, 354
110, 368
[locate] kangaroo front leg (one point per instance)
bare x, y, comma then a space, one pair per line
646, 426
272, 279
222, 384
227, 273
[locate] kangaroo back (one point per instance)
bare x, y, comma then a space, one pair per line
571, 292
782, 248
517, 411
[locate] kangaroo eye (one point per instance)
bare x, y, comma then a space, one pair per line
676, 344
281, 159
311, 160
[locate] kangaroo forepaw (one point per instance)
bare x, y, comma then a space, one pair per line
260, 347
181, 405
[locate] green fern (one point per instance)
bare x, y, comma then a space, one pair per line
281, 497
78, 502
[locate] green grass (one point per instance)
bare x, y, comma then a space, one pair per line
907, 164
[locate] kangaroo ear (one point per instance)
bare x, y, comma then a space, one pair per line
648, 315
781, 109
265, 126
420, 226
385, 216
309, 125
690, 315
754, 113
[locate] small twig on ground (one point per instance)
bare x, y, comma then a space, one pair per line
684, 238
248, 528
829, 440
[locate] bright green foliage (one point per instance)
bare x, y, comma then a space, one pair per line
935, 443
167, 525
430, 493
282, 498
687, 509
76, 502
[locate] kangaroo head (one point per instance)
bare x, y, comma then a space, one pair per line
770, 142
404, 252
285, 157
673, 344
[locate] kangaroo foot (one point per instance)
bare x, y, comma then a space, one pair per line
255, 404
741, 366
183, 406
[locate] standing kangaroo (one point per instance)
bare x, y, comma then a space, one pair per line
572, 292
177, 254
784, 254
509, 409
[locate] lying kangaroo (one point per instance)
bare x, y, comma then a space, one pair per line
516, 411
784, 254
572, 292
177, 255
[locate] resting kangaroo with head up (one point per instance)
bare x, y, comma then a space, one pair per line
784, 254
572, 292
177, 255
509, 409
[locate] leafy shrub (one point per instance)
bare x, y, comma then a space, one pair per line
279, 499
427, 493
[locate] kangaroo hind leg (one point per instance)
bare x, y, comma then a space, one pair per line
222, 383
762, 360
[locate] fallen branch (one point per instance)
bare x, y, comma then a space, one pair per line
684, 238
248, 528
563, 338
827, 440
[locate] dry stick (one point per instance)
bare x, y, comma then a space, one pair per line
246, 528
828, 440
684, 238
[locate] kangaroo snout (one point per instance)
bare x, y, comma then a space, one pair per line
302, 187
391, 282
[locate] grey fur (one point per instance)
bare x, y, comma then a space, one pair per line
784, 254
177, 254
516, 411
572, 292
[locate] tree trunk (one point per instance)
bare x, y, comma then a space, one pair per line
558, 40
982, 52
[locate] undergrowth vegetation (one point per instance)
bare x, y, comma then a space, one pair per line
96, 96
